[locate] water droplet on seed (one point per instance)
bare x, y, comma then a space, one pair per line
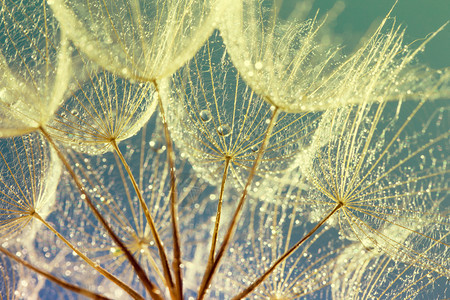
224, 130
205, 115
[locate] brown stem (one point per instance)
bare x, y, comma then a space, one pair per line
158, 242
149, 286
99, 269
173, 198
209, 273
219, 211
283, 257
63, 283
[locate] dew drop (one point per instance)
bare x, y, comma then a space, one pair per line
205, 115
255, 148
156, 145
108, 40
224, 130
258, 65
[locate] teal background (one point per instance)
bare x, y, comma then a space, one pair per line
420, 17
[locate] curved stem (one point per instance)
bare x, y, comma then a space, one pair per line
173, 198
53, 278
207, 277
151, 223
99, 269
283, 257
149, 286
219, 211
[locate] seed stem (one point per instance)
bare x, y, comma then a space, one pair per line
173, 198
209, 273
283, 257
218, 214
158, 242
149, 286
63, 283
99, 269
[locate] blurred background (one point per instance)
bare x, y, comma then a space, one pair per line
419, 17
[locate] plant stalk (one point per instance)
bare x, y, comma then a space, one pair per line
158, 242
149, 286
283, 257
98, 268
209, 273
219, 211
173, 198
63, 283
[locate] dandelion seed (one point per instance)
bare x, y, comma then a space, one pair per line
30, 176
126, 215
358, 168
103, 108
333, 200
34, 74
149, 42
305, 73
207, 90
